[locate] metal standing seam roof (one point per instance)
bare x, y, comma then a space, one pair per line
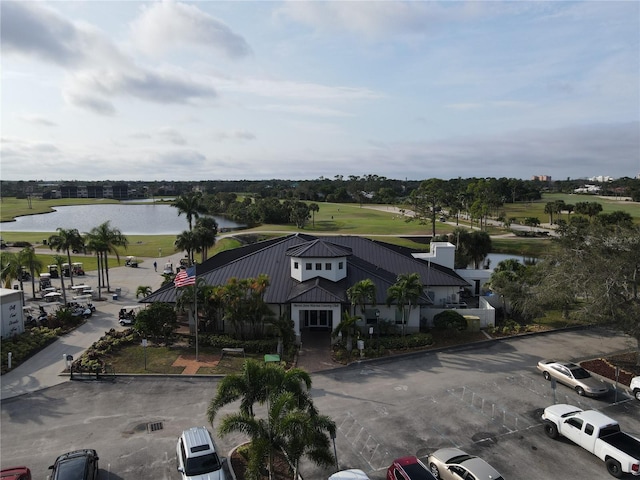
365, 259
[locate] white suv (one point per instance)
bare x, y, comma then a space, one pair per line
197, 457
635, 387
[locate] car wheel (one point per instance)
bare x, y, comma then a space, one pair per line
614, 468
546, 375
636, 393
580, 391
434, 470
551, 429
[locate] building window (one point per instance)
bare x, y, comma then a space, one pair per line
340, 265
327, 266
307, 266
318, 266
295, 265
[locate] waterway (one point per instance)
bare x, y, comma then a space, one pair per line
155, 219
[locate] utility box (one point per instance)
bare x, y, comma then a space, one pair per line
473, 323
11, 319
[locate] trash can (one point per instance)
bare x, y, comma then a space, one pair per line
115, 296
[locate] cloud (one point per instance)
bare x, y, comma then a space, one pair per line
33, 29
166, 25
38, 120
172, 135
305, 110
242, 135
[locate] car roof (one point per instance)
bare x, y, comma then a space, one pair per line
414, 469
197, 442
480, 468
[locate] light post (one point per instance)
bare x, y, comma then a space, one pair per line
335, 452
378, 325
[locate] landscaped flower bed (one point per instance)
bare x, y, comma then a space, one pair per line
606, 367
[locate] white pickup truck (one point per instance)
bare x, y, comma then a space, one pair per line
596, 433
635, 387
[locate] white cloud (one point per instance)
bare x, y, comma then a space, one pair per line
163, 26
172, 135
305, 110
241, 135
38, 120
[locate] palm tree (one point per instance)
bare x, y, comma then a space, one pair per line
192, 205
313, 207
405, 293
361, 294
96, 245
187, 241
59, 260
143, 290
205, 231
66, 240
11, 269
287, 428
347, 326
255, 383
28, 257
107, 240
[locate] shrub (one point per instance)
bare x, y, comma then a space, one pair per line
450, 319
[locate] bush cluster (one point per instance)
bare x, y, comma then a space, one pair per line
26, 344
450, 320
93, 358
268, 345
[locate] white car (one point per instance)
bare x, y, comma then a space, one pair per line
635, 387
197, 457
352, 474
454, 464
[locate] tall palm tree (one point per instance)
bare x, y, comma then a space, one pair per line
192, 205
59, 260
28, 257
205, 230
405, 293
361, 294
187, 242
66, 240
95, 245
108, 240
313, 208
143, 290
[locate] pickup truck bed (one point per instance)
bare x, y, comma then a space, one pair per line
623, 442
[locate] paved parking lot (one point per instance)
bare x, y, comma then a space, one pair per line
486, 400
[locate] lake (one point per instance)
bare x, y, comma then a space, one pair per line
156, 219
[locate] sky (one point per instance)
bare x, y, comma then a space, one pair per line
231, 90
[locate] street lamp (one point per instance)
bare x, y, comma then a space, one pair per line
378, 325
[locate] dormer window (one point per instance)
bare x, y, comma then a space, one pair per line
318, 266
327, 266
341, 266
296, 265
307, 266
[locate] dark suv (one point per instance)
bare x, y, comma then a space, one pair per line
76, 465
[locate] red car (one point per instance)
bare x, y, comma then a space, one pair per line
15, 473
408, 468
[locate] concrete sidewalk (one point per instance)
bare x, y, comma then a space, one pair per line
43, 369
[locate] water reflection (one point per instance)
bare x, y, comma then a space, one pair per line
130, 219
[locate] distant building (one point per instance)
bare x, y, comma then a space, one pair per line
541, 178
601, 179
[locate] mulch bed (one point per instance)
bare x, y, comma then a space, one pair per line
281, 468
606, 367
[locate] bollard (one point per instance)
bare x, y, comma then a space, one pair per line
9, 355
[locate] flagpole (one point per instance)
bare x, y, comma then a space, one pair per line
195, 302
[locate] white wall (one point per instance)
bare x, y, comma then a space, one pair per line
11, 319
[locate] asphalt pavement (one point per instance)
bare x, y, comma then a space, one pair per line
45, 368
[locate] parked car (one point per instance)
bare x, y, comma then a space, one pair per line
15, 473
408, 468
76, 465
596, 433
454, 464
635, 387
573, 376
351, 474
197, 456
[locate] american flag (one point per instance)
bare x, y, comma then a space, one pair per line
185, 277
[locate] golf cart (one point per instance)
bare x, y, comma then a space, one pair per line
66, 271
127, 315
131, 262
45, 281
168, 268
77, 269
53, 271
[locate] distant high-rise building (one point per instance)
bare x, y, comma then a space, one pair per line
542, 178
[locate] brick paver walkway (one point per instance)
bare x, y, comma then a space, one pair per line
190, 364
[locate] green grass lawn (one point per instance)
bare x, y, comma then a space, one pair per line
159, 360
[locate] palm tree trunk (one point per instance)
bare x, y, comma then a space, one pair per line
33, 284
99, 282
106, 269
70, 269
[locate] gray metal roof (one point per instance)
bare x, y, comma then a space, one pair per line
365, 259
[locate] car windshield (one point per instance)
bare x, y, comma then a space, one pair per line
460, 458
201, 465
580, 373
71, 468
